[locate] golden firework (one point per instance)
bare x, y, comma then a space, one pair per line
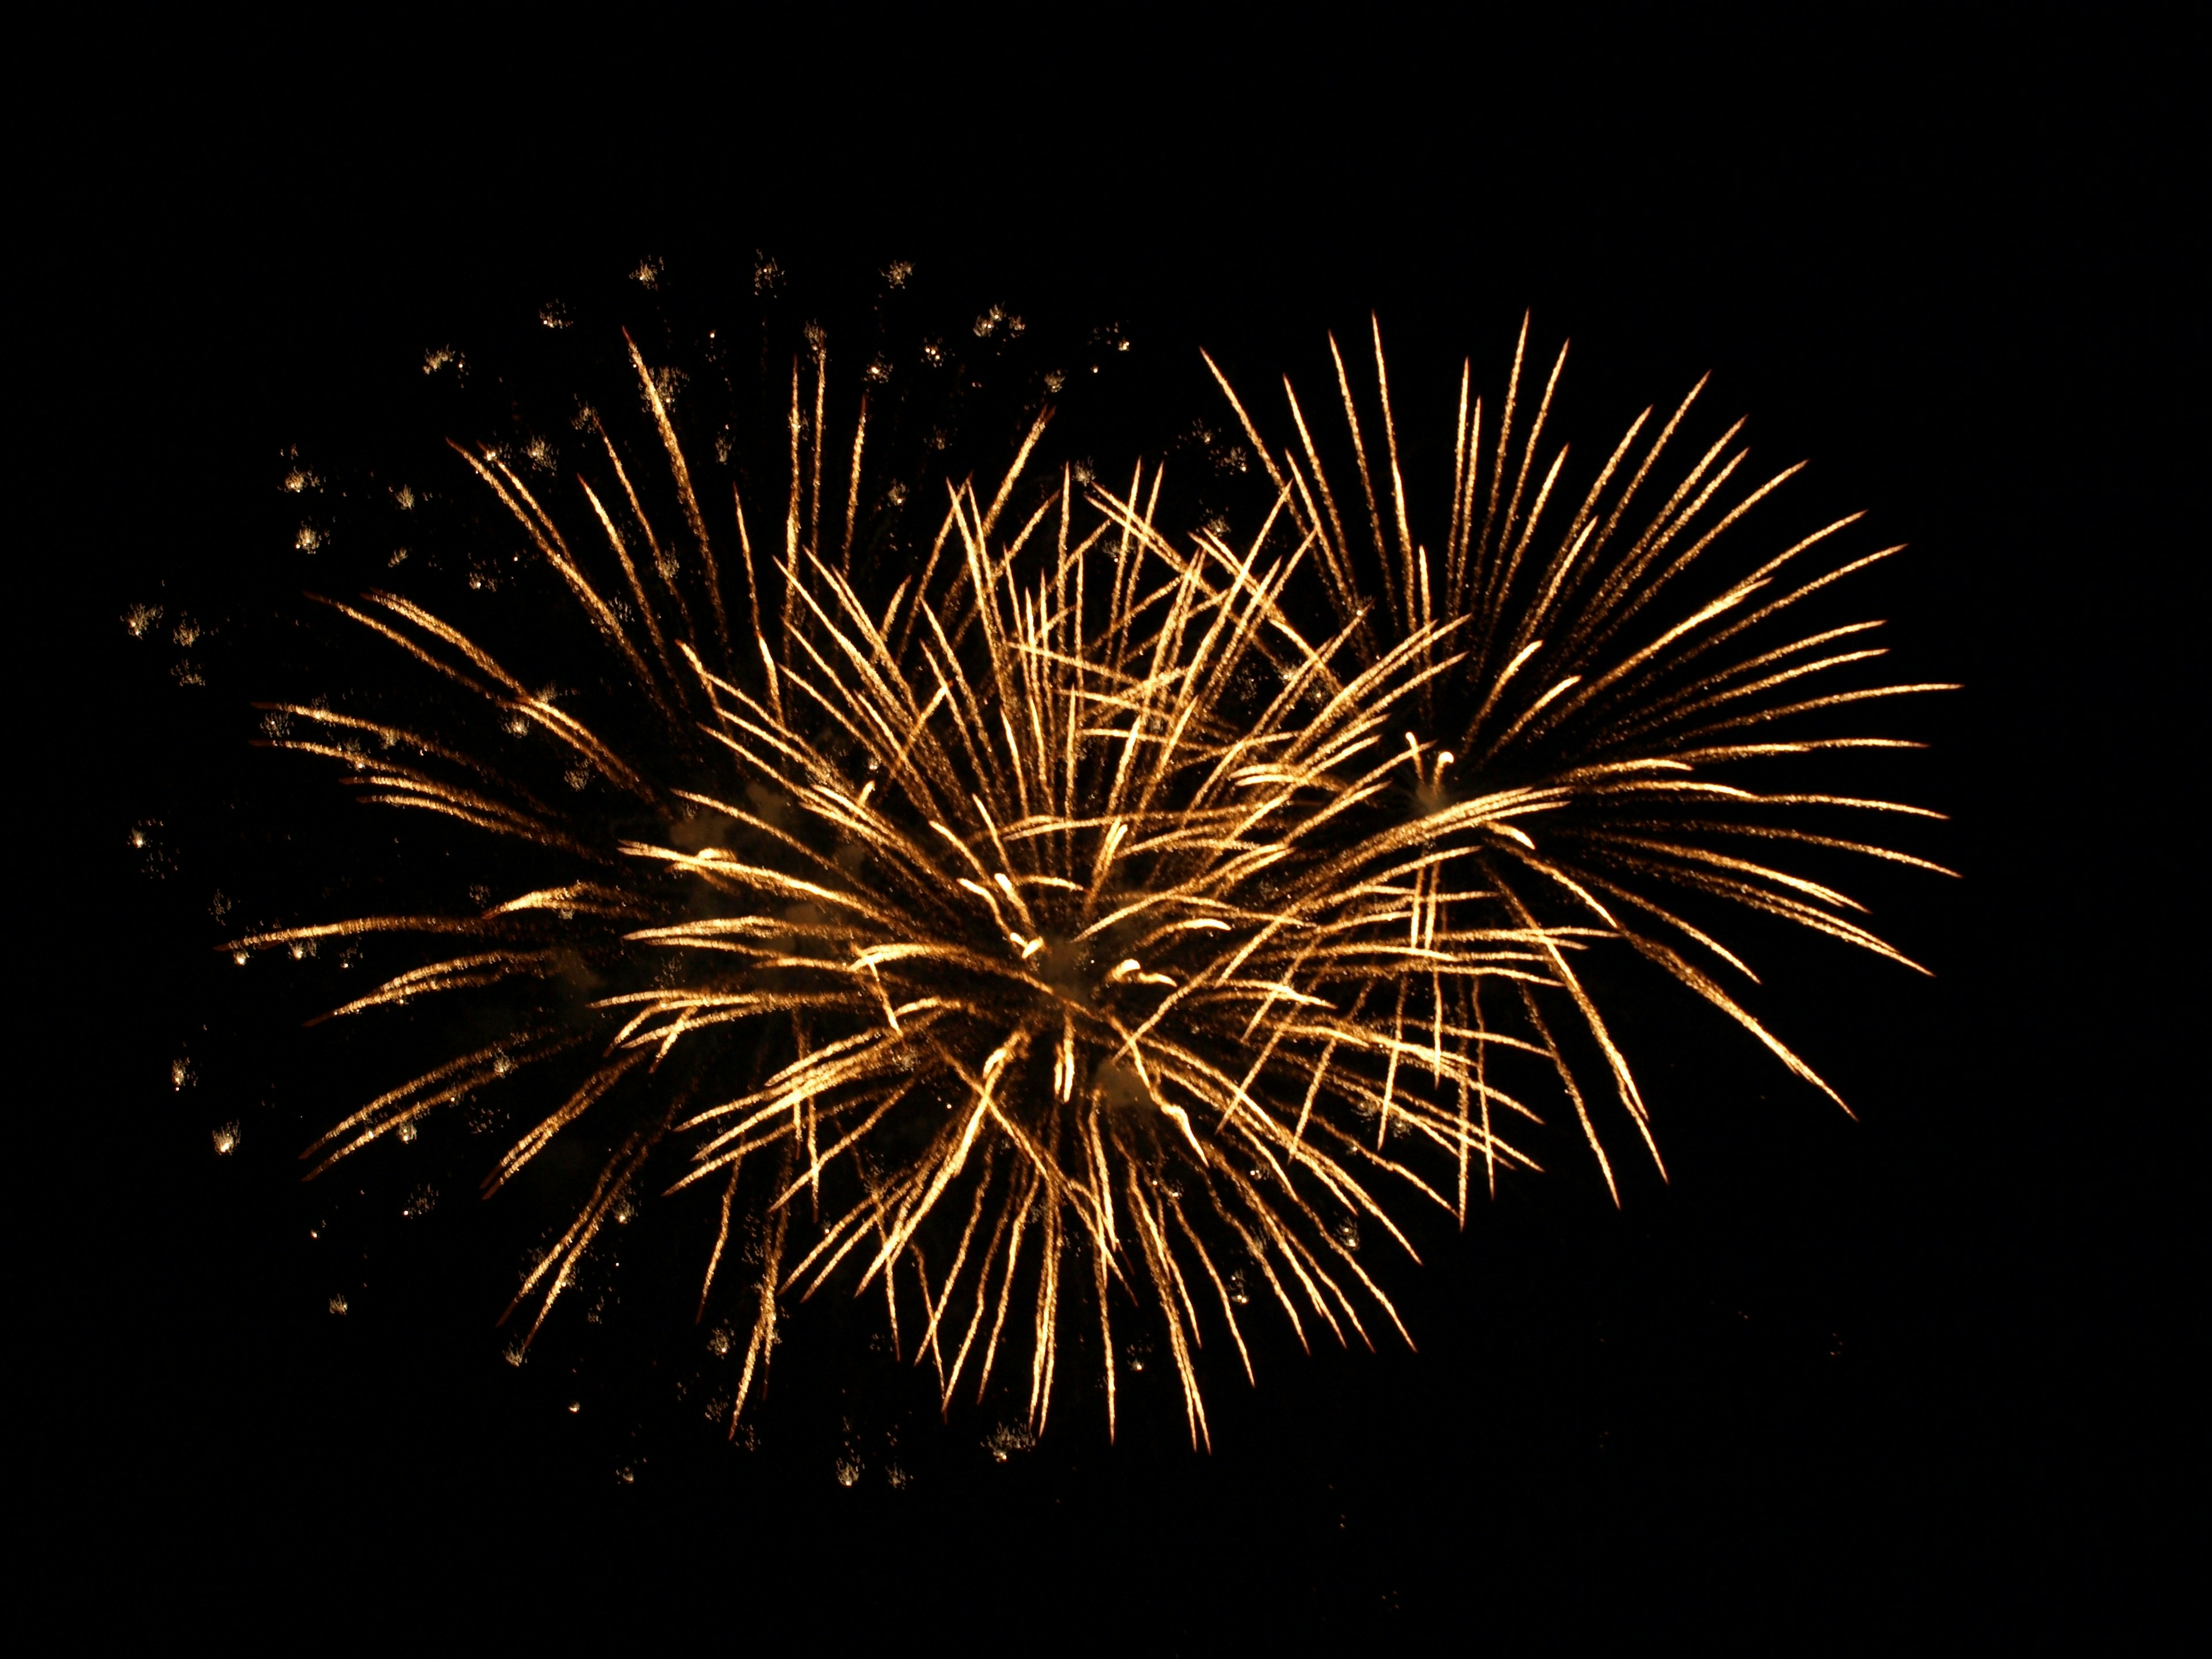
1076, 932
1610, 707
1082, 950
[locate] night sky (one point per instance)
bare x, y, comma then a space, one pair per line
1889, 1377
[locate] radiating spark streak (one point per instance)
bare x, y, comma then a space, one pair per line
457, 973
547, 537
568, 1112
681, 472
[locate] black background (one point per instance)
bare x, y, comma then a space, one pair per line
1906, 1374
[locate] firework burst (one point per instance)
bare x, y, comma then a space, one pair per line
1577, 754
1055, 887
1074, 934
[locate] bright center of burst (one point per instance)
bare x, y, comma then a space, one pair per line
1068, 964
1088, 974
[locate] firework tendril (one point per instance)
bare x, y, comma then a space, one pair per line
1077, 932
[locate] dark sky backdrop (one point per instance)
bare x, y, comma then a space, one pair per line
1835, 1373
